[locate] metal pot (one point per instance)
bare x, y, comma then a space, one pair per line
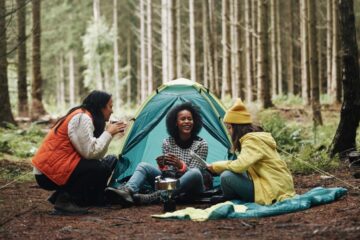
166, 183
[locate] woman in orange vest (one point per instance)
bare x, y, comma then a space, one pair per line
70, 159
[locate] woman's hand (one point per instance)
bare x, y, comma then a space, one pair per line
171, 159
211, 169
117, 127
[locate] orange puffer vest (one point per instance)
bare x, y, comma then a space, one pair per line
57, 157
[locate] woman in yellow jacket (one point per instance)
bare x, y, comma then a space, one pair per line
258, 174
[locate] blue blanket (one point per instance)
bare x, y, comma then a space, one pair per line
314, 197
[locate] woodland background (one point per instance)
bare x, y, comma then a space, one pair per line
54, 52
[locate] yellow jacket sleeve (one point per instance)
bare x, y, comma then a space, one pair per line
251, 152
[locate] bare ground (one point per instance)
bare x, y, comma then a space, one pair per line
25, 214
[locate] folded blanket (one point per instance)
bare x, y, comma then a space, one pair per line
238, 209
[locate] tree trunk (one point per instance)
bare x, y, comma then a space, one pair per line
5, 109
71, 79
224, 44
23, 105
164, 42
143, 79
192, 41
117, 99
254, 46
329, 20
178, 41
128, 84
304, 51
248, 51
314, 71
37, 109
205, 46
234, 50
289, 47
345, 136
336, 86
278, 49
61, 85
273, 49
170, 39
149, 47
263, 69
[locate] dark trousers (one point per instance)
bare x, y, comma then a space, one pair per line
86, 184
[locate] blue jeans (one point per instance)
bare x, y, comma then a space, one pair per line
237, 186
190, 183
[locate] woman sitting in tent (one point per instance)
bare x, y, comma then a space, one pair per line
183, 124
68, 159
258, 174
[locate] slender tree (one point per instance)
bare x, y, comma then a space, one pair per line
5, 110
192, 41
314, 70
37, 109
23, 105
345, 136
248, 52
224, 44
329, 20
263, 69
116, 56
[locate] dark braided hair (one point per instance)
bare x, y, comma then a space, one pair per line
93, 103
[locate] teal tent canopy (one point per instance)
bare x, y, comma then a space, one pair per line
144, 138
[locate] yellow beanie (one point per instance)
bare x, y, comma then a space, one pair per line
237, 114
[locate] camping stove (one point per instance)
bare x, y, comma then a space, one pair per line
167, 186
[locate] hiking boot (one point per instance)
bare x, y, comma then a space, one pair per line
64, 204
147, 198
123, 192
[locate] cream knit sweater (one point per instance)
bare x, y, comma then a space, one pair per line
81, 134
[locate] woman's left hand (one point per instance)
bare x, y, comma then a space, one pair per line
211, 169
173, 160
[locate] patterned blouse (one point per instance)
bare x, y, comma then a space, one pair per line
199, 146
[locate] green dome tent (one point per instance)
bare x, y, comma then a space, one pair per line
145, 135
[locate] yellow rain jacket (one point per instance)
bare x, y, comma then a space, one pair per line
272, 179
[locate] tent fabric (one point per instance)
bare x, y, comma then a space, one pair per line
144, 139
237, 209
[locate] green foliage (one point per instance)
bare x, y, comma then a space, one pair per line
20, 143
97, 43
288, 100
309, 158
286, 136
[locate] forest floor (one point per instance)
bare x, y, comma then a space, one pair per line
25, 214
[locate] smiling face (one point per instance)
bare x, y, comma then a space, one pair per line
185, 124
107, 110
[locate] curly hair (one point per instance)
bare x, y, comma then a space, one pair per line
171, 119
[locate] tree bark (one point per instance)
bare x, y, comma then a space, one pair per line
23, 105
149, 47
304, 52
117, 99
329, 20
289, 52
225, 51
192, 41
6, 115
71, 79
37, 109
314, 70
345, 137
143, 81
263, 67
248, 52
